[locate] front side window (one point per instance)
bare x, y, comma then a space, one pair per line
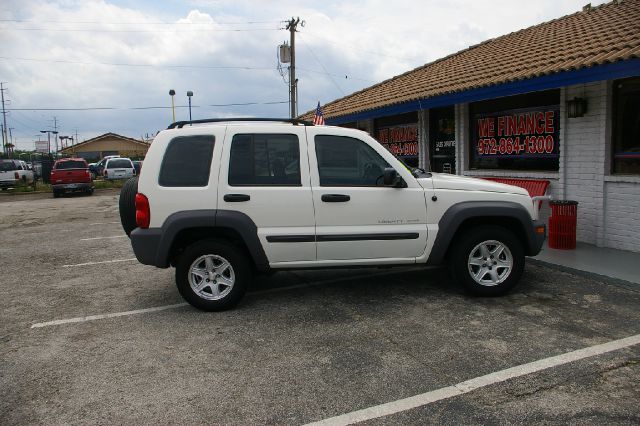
626, 126
187, 161
345, 161
264, 160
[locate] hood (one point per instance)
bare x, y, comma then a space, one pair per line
449, 181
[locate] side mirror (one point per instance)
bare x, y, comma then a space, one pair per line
392, 178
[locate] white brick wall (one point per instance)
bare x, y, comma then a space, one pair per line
622, 215
583, 150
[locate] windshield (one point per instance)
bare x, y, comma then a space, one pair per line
119, 164
71, 165
7, 166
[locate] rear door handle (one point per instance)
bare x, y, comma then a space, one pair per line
235, 198
335, 198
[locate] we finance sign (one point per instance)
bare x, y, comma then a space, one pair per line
527, 132
401, 141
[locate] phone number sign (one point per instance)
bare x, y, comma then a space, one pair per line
401, 141
524, 133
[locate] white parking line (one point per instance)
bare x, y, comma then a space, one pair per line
103, 316
162, 308
102, 238
461, 388
98, 263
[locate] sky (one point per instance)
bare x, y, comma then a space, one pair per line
100, 66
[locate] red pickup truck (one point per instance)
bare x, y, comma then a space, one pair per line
70, 175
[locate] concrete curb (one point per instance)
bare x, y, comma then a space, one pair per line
629, 285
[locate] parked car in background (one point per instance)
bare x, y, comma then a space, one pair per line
98, 168
119, 168
92, 170
13, 173
138, 166
37, 170
71, 175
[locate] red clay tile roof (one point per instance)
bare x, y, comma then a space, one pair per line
607, 33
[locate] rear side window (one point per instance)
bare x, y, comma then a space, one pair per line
71, 165
119, 164
187, 161
264, 160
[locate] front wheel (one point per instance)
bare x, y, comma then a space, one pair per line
487, 260
212, 275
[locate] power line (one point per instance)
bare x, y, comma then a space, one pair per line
222, 67
345, 76
145, 107
102, 30
139, 23
359, 48
325, 70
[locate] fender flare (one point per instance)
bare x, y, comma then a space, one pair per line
156, 243
455, 216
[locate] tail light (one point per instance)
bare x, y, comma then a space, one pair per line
17, 175
143, 213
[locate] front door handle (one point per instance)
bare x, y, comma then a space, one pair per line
335, 198
236, 198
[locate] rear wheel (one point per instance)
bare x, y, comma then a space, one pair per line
56, 194
127, 205
487, 260
212, 275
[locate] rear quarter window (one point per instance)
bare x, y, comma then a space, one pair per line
187, 161
7, 166
71, 165
119, 164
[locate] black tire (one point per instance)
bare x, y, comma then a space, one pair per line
240, 268
127, 205
90, 191
465, 245
56, 194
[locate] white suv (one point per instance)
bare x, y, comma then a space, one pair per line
223, 199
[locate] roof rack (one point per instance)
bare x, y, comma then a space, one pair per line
294, 121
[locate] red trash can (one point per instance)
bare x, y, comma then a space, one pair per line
562, 224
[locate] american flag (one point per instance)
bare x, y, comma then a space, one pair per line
318, 120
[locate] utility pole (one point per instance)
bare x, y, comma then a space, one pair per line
10, 148
55, 131
4, 119
292, 26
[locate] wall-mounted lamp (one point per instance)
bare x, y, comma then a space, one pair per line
576, 107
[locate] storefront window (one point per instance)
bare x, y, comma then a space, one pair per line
399, 134
442, 140
626, 126
516, 133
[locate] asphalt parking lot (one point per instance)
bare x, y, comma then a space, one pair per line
302, 346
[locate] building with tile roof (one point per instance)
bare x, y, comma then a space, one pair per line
109, 143
559, 101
